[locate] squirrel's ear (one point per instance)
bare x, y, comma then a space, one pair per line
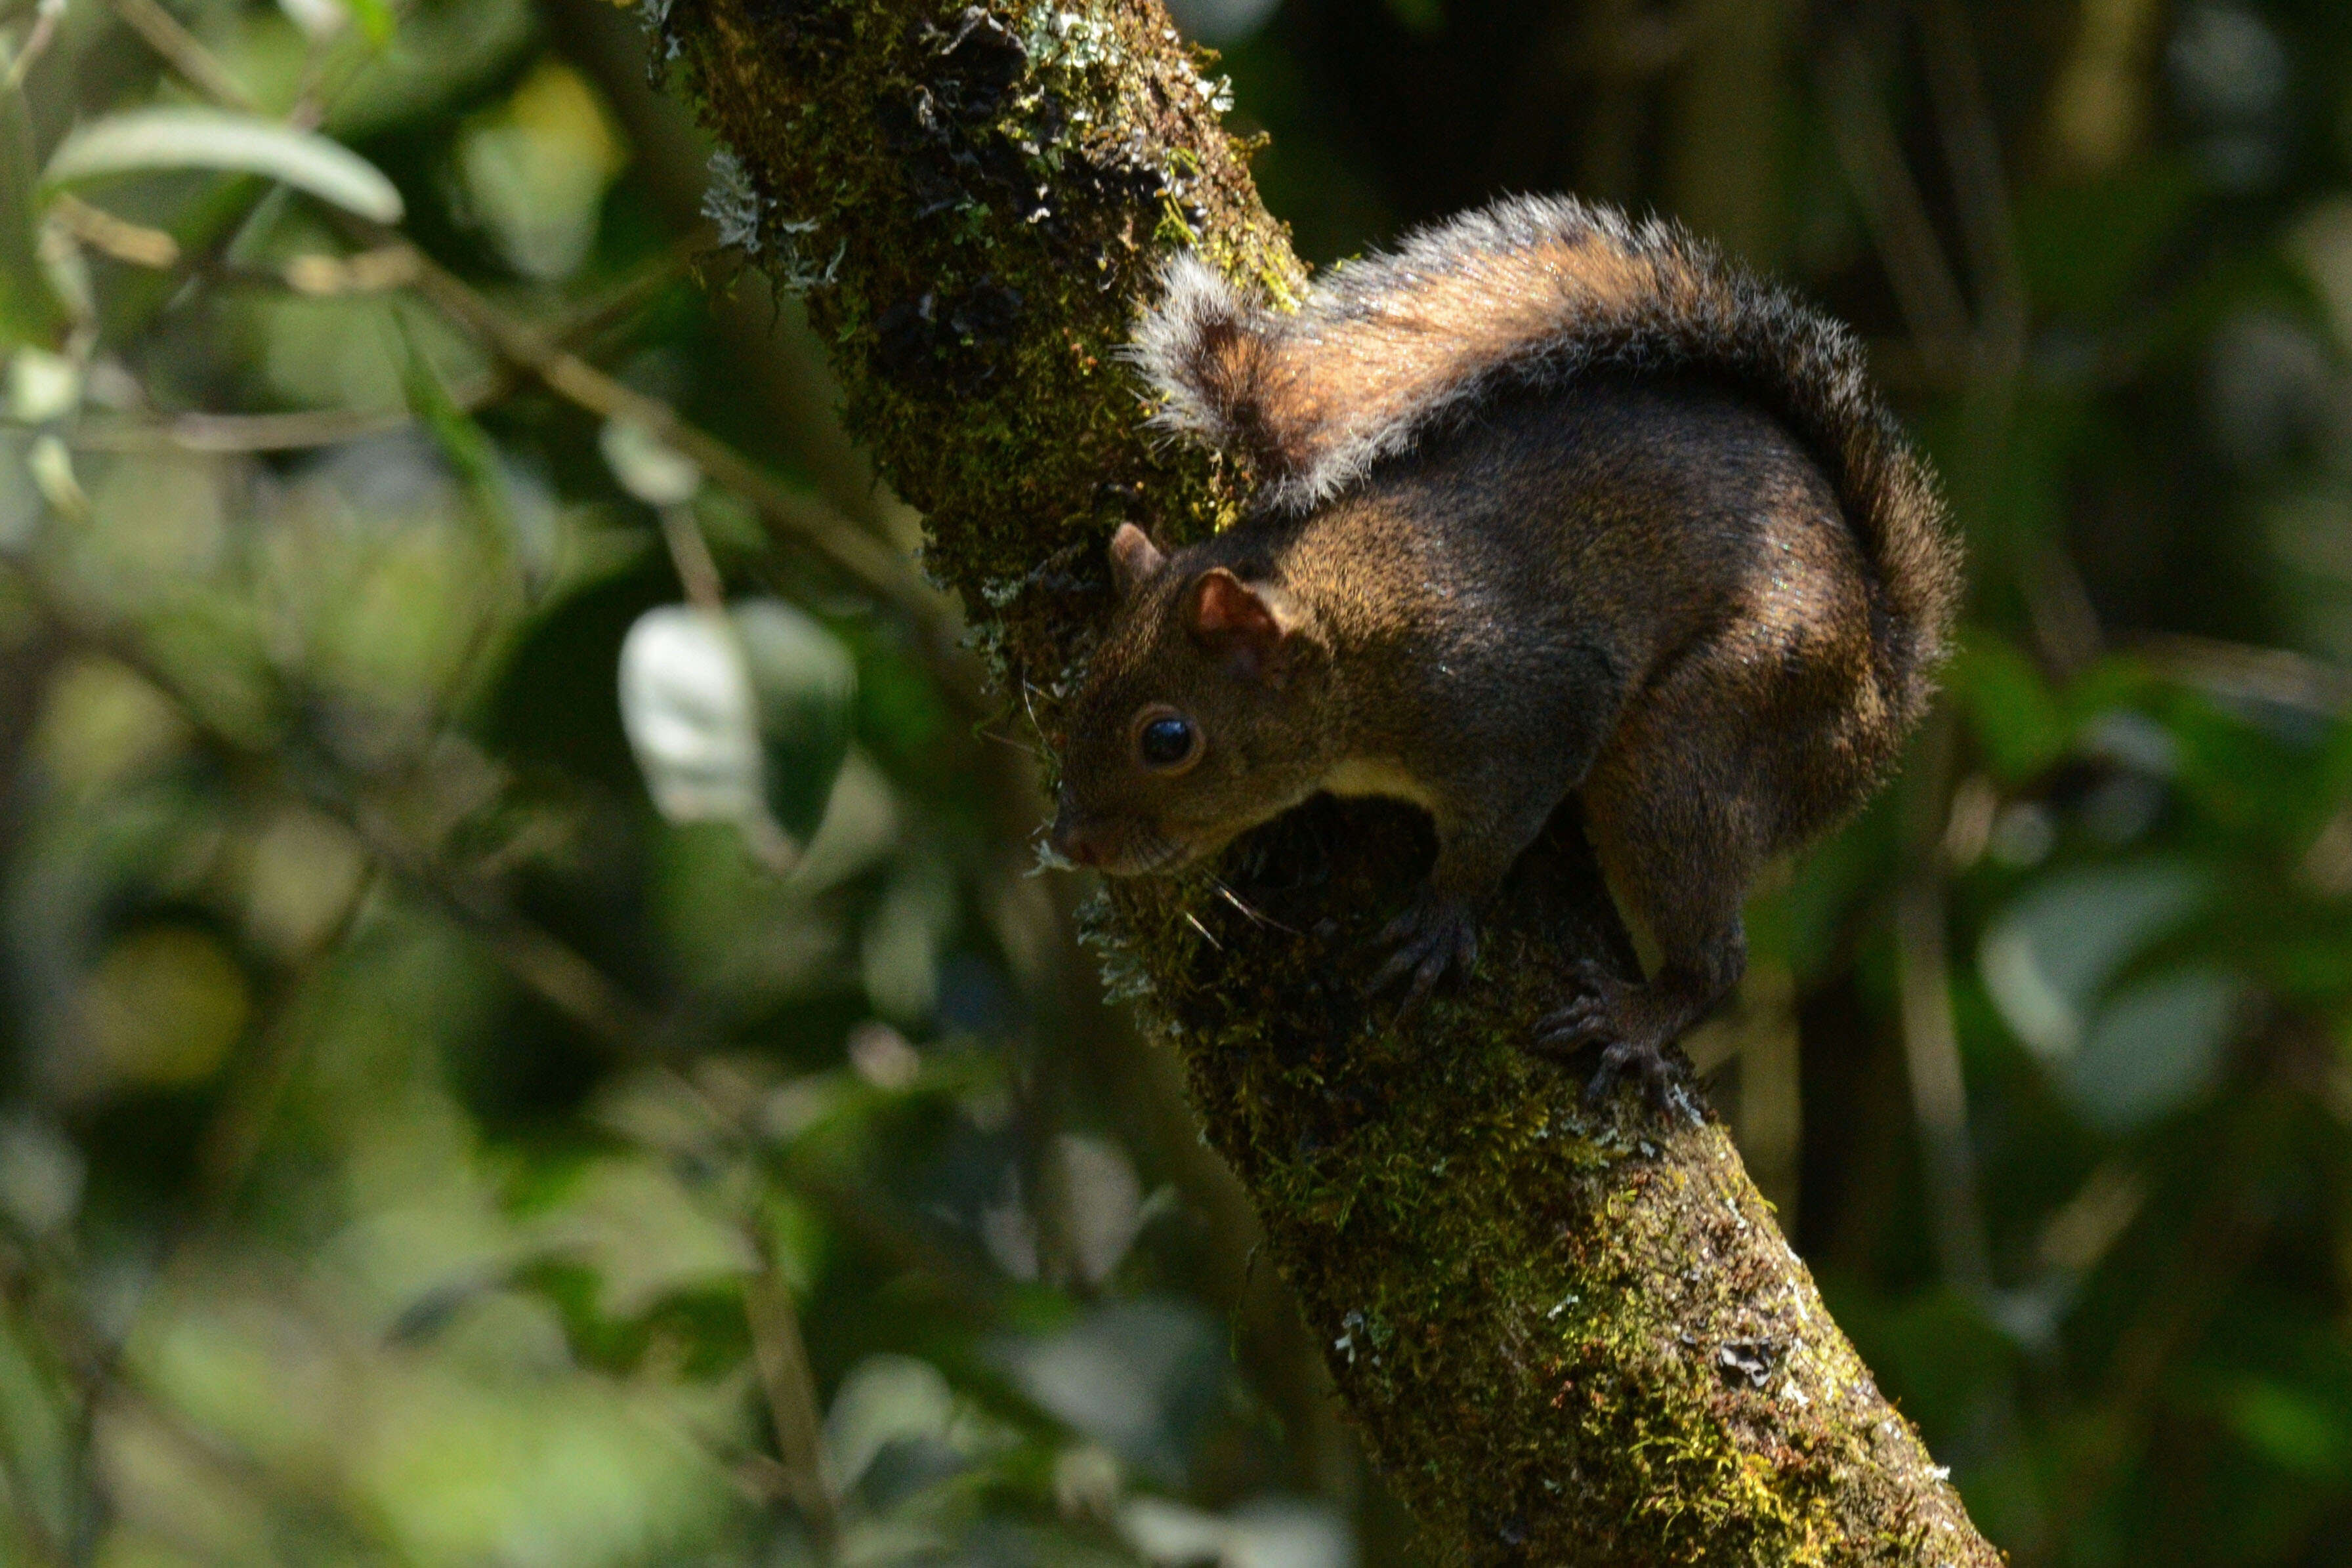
1134, 559
1250, 626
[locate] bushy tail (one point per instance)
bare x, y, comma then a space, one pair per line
1534, 292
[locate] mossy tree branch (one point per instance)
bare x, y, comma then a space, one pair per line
1570, 1336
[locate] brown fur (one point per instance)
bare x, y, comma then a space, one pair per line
1550, 504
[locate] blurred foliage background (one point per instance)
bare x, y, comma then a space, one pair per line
531, 1034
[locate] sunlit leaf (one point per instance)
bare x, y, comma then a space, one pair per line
323, 19
163, 1007
1009, 1231
1170, 1532
899, 951
880, 1056
443, 56
744, 718
51, 465
635, 1224
42, 386
41, 1172
688, 706
2126, 1059
647, 468
191, 137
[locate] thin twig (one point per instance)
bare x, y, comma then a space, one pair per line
2240, 672
1932, 303
873, 565
45, 17
1872, 156
2065, 626
250, 1103
135, 244
1931, 1044
876, 566
2213, 1251
311, 429
548, 967
536, 960
1972, 152
543, 964
539, 962
369, 272
228, 433
1939, 1093
186, 54
328, 67
791, 1389
689, 555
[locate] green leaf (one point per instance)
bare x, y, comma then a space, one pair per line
2015, 715
375, 20
2155, 1046
461, 440
36, 1434
805, 685
2296, 1428
2048, 956
475, 457
2087, 247
187, 138
1423, 17
884, 1399
28, 311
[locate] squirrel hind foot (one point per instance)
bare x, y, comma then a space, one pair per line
1433, 936
1635, 1036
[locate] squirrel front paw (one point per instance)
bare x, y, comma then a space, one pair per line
1436, 934
1615, 1015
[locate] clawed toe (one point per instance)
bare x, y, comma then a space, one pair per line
1591, 1019
1428, 940
1641, 1058
1585, 1021
1604, 1015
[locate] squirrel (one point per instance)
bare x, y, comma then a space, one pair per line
1545, 501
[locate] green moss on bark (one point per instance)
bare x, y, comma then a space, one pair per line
1568, 1335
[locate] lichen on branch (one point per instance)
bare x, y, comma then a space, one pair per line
1568, 1335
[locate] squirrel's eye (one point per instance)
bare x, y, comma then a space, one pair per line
1166, 742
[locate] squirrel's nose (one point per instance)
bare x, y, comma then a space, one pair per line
1075, 840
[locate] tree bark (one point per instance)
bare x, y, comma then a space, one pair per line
1568, 1335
